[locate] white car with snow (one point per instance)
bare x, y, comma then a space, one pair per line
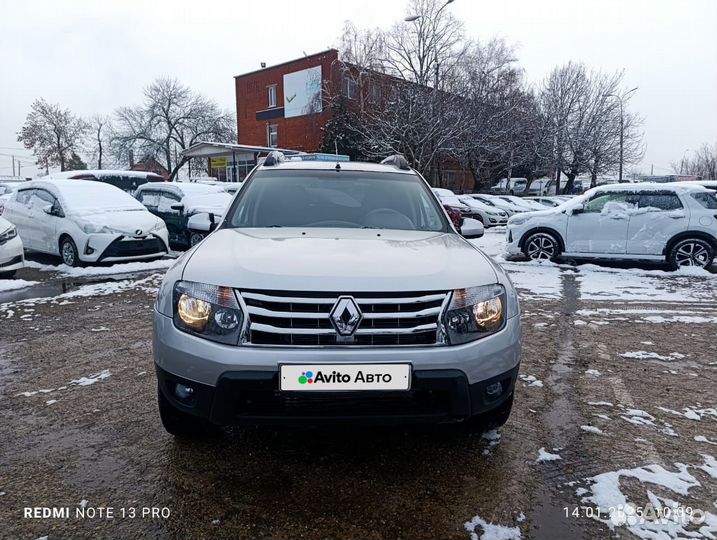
191, 210
499, 203
11, 250
490, 216
84, 221
674, 223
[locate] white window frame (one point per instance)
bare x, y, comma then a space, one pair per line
350, 84
272, 94
275, 129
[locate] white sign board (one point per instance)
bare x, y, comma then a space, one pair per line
302, 92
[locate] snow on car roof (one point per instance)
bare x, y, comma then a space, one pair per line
100, 173
89, 195
648, 186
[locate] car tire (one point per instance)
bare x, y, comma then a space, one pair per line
541, 246
195, 238
691, 252
491, 419
68, 252
178, 423
7, 275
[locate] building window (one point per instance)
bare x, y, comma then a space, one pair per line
374, 93
272, 135
450, 179
350, 88
272, 95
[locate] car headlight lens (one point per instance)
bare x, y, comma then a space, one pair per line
8, 235
158, 226
474, 313
518, 219
208, 311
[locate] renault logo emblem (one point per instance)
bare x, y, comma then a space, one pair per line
345, 316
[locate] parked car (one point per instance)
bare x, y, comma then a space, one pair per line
673, 222
490, 216
525, 204
178, 202
709, 184
493, 200
11, 250
84, 221
550, 202
452, 202
510, 186
127, 181
335, 294
6, 190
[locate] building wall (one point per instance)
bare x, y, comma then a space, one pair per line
254, 114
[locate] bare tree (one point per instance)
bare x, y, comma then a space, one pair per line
98, 143
172, 118
702, 163
52, 133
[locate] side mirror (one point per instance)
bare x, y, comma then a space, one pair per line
579, 209
472, 228
47, 209
212, 221
177, 206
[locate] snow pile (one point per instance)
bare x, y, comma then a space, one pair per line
593, 372
92, 379
490, 531
120, 268
592, 429
531, 380
600, 403
671, 518
544, 455
14, 284
493, 438
647, 355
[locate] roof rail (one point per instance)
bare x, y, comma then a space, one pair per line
397, 160
274, 158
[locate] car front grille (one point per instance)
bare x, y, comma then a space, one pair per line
134, 247
14, 260
285, 318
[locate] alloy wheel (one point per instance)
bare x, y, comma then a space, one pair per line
541, 247
692, 254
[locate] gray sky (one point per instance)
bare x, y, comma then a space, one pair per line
93, 56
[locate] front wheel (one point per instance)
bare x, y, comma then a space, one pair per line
541, 246
195, 238
691, 252
68, 252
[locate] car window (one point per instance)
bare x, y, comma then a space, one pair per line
325, 198
166, 200
45, 196
597, 203
661, 201
708, 200
149, 198
23, 196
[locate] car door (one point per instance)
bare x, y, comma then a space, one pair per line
17, 212
46, 224
601, 225
659, 216
175, 219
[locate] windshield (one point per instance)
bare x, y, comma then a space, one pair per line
350, 199
484, 201
90, 195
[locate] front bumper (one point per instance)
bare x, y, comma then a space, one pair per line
11, 255
436, 396
219, 370
116, 247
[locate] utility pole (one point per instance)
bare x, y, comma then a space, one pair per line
622, 126
13, 165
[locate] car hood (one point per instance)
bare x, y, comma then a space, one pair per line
128, 222
338, 260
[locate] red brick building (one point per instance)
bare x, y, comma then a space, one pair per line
285, 105
282, 105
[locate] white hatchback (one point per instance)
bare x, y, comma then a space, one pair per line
11, 250
85, 221
675, 223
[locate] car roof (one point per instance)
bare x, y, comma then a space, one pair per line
184, 188
331, 165
677, 187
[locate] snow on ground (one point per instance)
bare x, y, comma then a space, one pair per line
492, 437
648, 355
544, 455
14, 284
531, 380
591, 429
82, 381
489, 531
87, 271
672, 518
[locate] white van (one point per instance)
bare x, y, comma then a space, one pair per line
510, 186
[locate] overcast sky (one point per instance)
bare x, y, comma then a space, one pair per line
92, 56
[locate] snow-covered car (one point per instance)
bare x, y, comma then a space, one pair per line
674, 223
525, 204
510, 186
493, 200
178, 202
84, 221
11, 250
6, 191
709, 184
127, 181
549, 202
490, 216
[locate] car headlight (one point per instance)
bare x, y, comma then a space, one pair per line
474, 313
518, 219
158, 226
207, 311
9, 234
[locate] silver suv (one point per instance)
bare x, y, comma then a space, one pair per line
335, 292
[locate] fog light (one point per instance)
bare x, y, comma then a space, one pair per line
89, 250
183, 392
494, 390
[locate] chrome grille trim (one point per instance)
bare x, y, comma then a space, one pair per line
302, 319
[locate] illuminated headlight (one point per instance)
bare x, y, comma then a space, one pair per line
9, 234
207, 311
474, 313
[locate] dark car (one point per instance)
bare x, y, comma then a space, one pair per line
127, 181
177, 202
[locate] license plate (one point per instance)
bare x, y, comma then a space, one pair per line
318, 377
